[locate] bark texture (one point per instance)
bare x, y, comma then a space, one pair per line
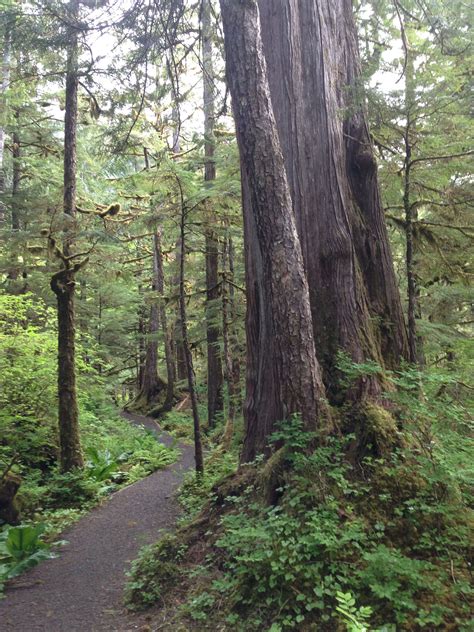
290, 378
368, 221
307, 47
63, 283
215, 402
311, 52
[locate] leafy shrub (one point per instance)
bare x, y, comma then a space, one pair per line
100, 465
21, 548
194, 492
389, 537
356, 619
157, 567
178, 424
72, 489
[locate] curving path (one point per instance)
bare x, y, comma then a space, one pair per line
81, 591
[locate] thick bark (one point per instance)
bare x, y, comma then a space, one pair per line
293, 378
215, 401
300, 46
63, 283
198, 454
368, 222
311, 52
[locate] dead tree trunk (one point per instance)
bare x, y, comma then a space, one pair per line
284, 317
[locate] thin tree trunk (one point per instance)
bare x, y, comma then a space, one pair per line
63, 283
141, 349
284, 304
415, 342
181, 370
160, 286
16, 152
15, 267
198, 454
4, 84
214, 362
151, 384
234, 339
226, 333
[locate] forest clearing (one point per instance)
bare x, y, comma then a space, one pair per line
236, 316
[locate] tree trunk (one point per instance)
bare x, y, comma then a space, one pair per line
234, 338
15, 267
160, 286
304, 47
293, 382
4, 84
181, 370
198, 454
227, 339
16, 180
368, 221
63, 283
141, 348
214, 362
415, 343
152, 385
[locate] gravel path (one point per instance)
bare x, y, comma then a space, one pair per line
81, 591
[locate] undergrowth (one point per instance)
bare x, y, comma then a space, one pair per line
116, 452
378, 544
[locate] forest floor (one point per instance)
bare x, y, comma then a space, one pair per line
82, 589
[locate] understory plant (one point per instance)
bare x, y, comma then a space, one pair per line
22, 548
377, 544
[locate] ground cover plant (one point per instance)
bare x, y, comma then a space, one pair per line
312, 540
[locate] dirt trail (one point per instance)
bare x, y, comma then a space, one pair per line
81, 591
